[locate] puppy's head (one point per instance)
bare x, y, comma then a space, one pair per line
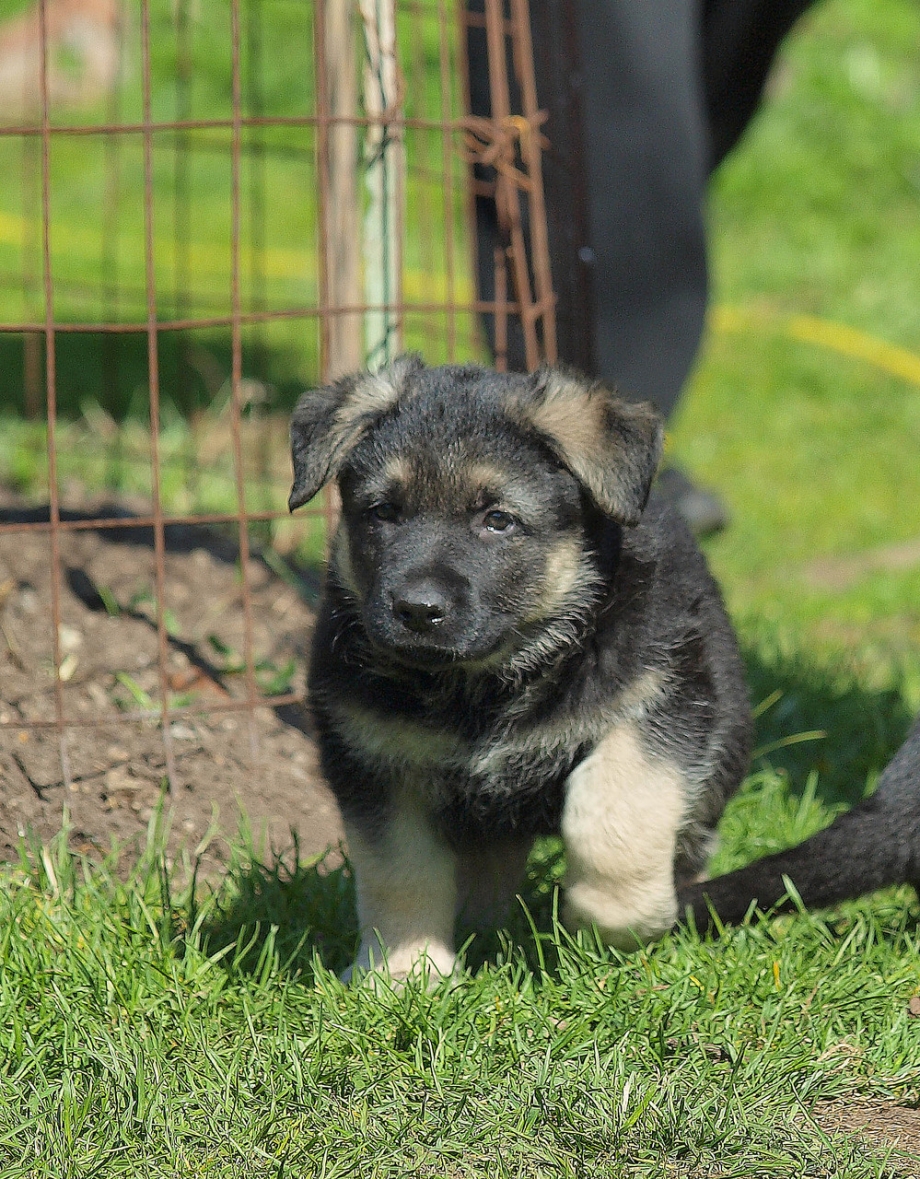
469, 499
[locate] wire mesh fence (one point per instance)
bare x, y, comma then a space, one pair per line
205, 209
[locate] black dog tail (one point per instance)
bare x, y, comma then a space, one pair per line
874, 845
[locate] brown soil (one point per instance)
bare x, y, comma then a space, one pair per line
880, 1125
109, 776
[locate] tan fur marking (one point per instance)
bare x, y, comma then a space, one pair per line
397, 471
563, 568
572, 414
407, 896
610, 445
375, 393
620, 823
491, 476
341, 562
501, 485
393, 740
634, 700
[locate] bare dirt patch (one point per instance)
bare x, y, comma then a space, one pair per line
108, 776
879, 1124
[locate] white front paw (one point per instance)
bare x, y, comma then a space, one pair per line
624, 918
398, 962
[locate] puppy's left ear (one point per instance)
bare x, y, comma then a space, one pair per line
611, 446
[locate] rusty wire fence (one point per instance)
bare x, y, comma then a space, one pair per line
206, 208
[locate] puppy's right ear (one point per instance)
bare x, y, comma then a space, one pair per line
328, 423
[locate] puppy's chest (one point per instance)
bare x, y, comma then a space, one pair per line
451, 755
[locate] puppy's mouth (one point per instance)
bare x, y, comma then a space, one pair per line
421, 658
433, 652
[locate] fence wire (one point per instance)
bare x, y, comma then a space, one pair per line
207, 208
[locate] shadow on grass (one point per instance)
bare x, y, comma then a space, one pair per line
291, 916
301, 914
821, 719
298, 913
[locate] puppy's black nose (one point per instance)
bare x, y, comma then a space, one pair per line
421, 608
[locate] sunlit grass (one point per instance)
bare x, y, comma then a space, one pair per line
147, 1028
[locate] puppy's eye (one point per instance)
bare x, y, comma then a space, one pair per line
496, 521
386, 513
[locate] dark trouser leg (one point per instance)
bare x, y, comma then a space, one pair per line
666, 89
740, 40
641, 237
646, 168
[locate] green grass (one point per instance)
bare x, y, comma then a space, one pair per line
152, 1028
169, 1033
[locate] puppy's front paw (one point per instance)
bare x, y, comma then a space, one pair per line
397, 963
624, 918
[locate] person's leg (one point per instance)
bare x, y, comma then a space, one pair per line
640, 171
654, 94
646, 166
668, 89
740, 40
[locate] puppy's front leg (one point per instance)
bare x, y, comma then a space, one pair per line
407, 894
620, 822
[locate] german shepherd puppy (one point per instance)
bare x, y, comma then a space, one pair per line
508, 647
874, 845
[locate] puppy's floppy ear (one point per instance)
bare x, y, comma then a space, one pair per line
328, 423
611, 446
